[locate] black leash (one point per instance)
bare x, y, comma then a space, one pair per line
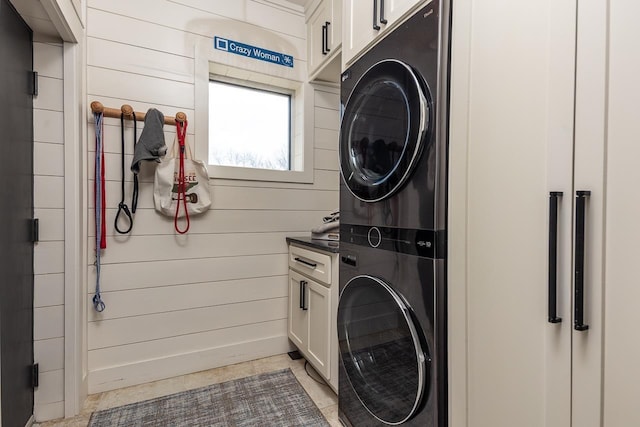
122, 207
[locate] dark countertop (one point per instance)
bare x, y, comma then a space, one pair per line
332, 246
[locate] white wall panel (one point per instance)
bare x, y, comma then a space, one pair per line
48, 411
196, 21
48, 257
180, 364
157, 248
49, 94
146, 89
325, 99
327, 118
149, 222
148, 350
326, 159
138, 302
48, 126
51, 224
48, 290
48, 322
113, 332
49, 390
218, 295
133, 59
47, 59
326, 139
48, 159
253, 12
166, 273
48, 192
49, 354
223, 197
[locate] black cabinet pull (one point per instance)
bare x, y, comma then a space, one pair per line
375, 15
307, 263
382, 18
300, 293
554, 196
326, 36
578, 314
304, 284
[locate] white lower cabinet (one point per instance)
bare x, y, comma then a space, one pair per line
313, 309
544, 101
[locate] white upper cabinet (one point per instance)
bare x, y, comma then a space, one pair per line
324, 40
367, 20
544, 214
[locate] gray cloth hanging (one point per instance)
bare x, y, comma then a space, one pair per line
151, 145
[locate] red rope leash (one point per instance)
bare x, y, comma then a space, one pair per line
181, 131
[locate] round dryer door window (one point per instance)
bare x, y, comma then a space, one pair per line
384, 126
381, 350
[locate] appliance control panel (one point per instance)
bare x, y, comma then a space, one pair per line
423, 243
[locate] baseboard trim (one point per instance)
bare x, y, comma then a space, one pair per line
181, 364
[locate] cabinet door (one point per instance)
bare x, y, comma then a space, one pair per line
622, 292
319, 303
335, 29
518, 365
318, 36
358, 29
589, 175
396, 9
298, 317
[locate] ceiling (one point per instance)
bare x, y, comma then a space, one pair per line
37, 18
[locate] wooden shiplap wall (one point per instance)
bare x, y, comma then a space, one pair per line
48, 165
217, 296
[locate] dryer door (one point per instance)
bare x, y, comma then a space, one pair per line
384, 126
385, 361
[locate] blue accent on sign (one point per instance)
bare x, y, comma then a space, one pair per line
254, 52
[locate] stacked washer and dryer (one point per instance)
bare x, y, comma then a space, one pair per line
393, 157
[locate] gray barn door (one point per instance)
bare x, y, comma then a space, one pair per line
16, 211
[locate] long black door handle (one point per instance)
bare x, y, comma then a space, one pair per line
307, 263
375, 15
554, 196
326, 36
300, 293
304, 295
382, 18
578, 310
324, 39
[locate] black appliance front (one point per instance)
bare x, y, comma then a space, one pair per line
393, 130
391, 339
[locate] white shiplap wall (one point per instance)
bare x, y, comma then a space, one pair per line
49, 251
217, 296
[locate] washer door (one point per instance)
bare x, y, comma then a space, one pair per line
383, 129
381, 351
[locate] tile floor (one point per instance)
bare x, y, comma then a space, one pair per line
321, 394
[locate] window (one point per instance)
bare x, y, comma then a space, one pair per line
239, 136
249, 126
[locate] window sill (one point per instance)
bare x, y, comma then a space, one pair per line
254, 174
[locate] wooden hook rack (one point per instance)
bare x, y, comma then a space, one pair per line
127, 110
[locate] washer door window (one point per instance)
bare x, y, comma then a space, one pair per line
380, 350
385, 122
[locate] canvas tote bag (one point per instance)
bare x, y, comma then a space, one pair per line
181, 184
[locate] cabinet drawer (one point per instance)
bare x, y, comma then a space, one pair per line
310, 263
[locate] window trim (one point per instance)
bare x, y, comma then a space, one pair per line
302, 159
